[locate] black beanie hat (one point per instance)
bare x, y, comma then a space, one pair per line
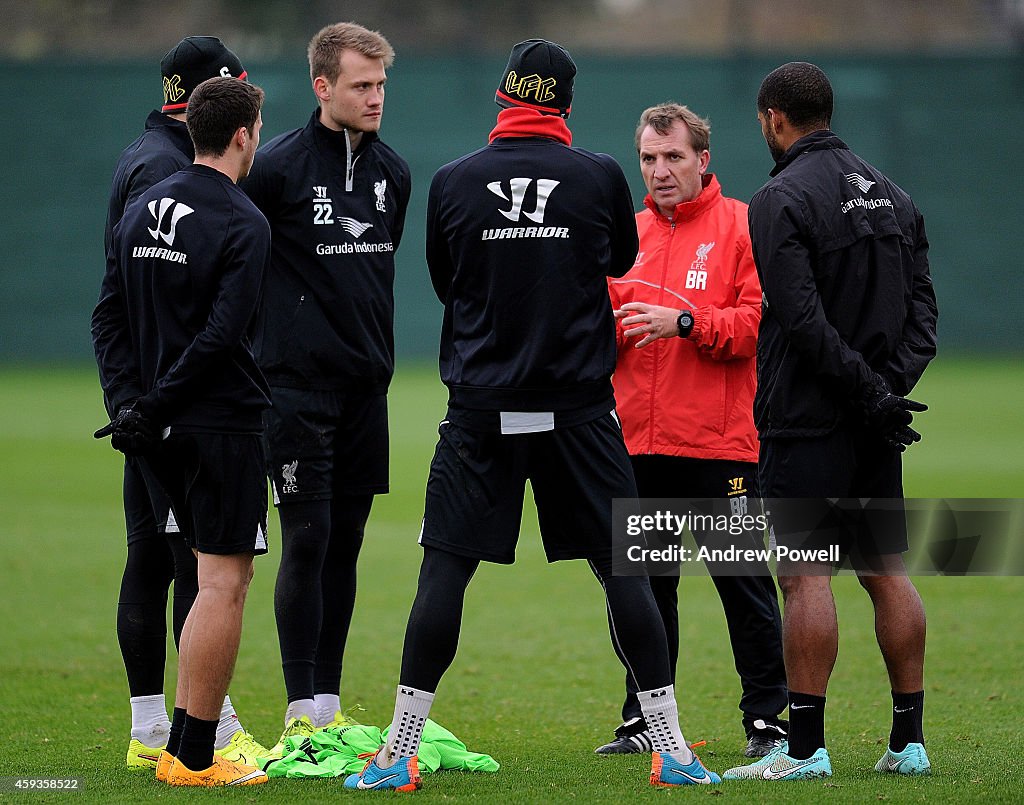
189, 63
539, 76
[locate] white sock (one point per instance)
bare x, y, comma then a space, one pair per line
301, 707
228, 724
662, 717
149, 720
327, 704
412, 707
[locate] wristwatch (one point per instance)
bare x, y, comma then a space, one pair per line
685, 323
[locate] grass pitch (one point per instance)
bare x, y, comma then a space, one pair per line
535, 683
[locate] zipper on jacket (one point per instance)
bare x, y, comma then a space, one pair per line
658, 346
349, 164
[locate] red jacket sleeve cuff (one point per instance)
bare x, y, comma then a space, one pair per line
701, 325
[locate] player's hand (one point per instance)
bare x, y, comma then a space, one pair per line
131, 431
890, 416
901, 437
650, 321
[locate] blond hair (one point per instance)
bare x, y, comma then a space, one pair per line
326, 47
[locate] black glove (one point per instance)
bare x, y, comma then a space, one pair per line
890, 415
901, 437
131, 431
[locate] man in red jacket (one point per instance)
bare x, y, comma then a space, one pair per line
684, 388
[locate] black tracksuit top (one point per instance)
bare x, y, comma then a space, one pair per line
163, 148
327, 320
842, 256
182, 284
520, 237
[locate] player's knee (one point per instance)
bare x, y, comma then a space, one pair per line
226, 576
795, 581
304, 551
881, 570
226, 592
881, 585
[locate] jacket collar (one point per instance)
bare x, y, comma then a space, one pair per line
334, 141
821, 140
175, 130
519, 122
688, 210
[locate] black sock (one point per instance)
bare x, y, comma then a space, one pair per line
177, 727
907, 710
196, 750
806, 724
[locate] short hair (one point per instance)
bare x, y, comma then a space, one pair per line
801, 91
325, 48
664, 116
217, 109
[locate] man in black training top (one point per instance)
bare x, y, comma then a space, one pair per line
521, 236
847, 329
336, 197
184, 275
156, 553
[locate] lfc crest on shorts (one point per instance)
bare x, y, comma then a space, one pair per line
289, 486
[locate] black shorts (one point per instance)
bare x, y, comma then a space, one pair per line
843, 489
218, 487
659, 476
719, 485
327, 443
147, 510
474, 500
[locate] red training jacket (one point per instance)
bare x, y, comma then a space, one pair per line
692, 397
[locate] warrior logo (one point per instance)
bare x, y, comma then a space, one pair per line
165, 204
323, 211
519, 187
736, 486
737, 495
380, 188
539, 88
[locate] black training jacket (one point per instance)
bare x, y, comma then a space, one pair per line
327, 320
182, 284
520, 237
842, 256
163, 148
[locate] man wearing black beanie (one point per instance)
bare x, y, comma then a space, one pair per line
539, 76
521, 235
157, 555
